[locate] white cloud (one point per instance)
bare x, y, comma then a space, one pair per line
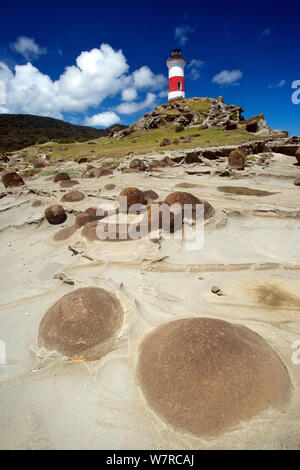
228, 77
105, 119
193, 68
163, 93
28, 48
145, 78
182, 33
280, 84
129, 94
96, 75
265, 33
131, 108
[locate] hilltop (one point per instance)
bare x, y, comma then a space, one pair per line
198, 114
23, 130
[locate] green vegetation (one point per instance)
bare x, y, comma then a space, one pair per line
197, 106
30, 172
47, 172
147, 141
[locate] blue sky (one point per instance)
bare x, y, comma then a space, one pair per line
100, 63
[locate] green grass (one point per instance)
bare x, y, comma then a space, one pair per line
148, 141
30, 172
197, 106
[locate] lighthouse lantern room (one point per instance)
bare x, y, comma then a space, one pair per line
176, 64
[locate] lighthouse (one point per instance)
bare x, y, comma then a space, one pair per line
176, 64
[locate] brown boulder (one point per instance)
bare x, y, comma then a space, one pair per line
205, 375
134, 196
61, 177
182, 198
104, 172
89, 215
55, 214
109, 187
150, 194
68, 183
82, 160
297, 155
193, 157
237, 159
83, 323
137, 163
158, 164
73, 196
12, 179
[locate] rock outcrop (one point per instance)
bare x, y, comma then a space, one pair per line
199, 113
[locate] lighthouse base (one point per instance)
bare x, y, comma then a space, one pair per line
175, 94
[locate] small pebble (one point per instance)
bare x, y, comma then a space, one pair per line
216, 290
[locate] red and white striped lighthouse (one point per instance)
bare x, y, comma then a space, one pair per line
176, 64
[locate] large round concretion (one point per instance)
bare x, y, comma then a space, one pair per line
206, 375
83, 323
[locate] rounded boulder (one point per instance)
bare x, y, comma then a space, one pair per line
83, 323
205, 376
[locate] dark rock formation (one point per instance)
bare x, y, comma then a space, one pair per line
55, 214
205, 376
182, 198
237, 160
138, 164
73, 196
61, 177
83, 323
12, 179
104, 172
134, 196
89, 215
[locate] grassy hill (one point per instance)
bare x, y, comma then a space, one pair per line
18, 131
95, 144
